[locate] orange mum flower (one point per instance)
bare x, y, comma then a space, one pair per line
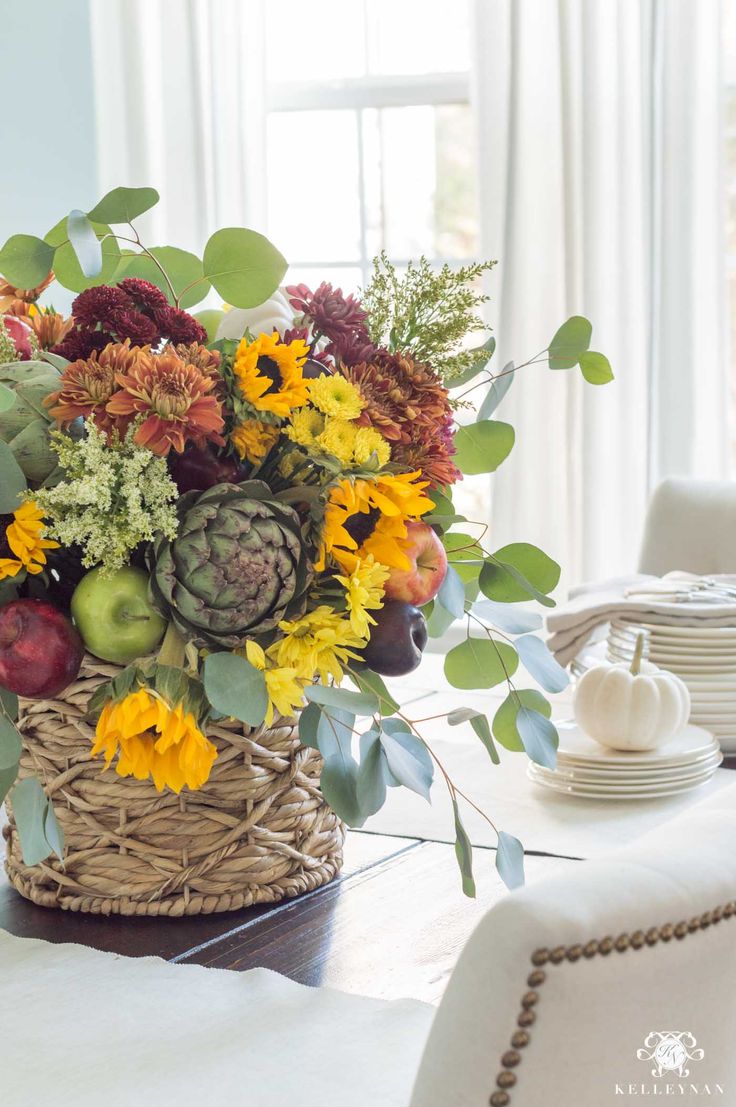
86, 385
177, 400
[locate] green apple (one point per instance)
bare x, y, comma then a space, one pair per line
114, 615
210, 318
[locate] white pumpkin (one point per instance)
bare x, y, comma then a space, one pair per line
631, 708
275, 314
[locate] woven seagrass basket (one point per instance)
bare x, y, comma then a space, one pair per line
259, 829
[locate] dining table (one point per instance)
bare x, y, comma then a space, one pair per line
395, 921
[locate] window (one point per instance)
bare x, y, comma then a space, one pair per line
377, 152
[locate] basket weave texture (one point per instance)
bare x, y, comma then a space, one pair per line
259, 829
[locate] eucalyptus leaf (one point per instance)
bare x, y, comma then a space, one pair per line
510, 620
504, 721
85, 243
463, 853
481, 447
56, 360
26, 261
53, 832
371, 784
182, 268
12, 480
407, 757
498, 388
452, 594
8, 704
595, 367
518, 571
570, 341
510, 860
538, 660
480, 663
479, 723
539, 736
7, 780
335, 732
439, 619
122, 205
360, 703
67, 269
29, 809
308, 723
339, 785
235, 687
372, 684
243, 266
10, 744
485, 353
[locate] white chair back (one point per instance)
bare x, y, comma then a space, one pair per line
615, 978
691, 525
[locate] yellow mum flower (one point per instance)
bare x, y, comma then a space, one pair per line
153, 739
369, 517
364, 592
253, 439
369, 441
285, 690
321, 642
24, 538
269, 373
334, 395
338, 439
305, 427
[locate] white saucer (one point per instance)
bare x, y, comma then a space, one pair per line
575, 747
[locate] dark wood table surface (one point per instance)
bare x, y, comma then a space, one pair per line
392, 925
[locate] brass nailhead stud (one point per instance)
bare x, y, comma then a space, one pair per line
506, 1079
605, 946
694, 924
540, 957
557, 955
717, 914
536, 978
706, 919
574, 953
728, 910
666, 932
652, 936
530, 999
510, 1059
681, 930
519, 1039
499, 1099
638, 939
622, 943
590, 949
526, 1018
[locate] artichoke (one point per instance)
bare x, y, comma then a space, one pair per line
237, 567
25, 426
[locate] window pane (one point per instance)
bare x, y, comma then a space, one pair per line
347, 278
418, 36
420, 181
313, 211
321, 41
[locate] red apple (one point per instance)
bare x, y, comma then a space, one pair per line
20, 333
40, 651
421, 583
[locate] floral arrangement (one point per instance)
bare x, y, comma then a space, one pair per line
250, 510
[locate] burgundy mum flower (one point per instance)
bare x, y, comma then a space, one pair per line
339, 318
146, 297
98, 305
180, 327
81, 344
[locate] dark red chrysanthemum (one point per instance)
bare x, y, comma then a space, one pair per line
144, 296
337, 317
136, 326
98, 305
82, 344
180, 327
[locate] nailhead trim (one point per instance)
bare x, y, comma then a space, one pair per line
638, 939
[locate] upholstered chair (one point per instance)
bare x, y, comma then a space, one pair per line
691, 525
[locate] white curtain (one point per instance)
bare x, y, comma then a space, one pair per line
599, 139
179, 103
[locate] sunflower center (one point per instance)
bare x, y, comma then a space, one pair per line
270, 368
5, 550
360, 527
170, 398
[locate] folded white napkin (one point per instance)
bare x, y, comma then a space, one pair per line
677, 598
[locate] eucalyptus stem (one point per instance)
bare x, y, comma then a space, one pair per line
172, 649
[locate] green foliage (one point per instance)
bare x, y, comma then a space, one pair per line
463, 852
479, 723
182, 268
85, 243
452, 594
235, 688
38, 830
570, 341
67, 269
360, 703
427, 313
540, 663
539, 736
480, 663
518, 571
498, 388
370, 682
481, 447
481, 358
505, 730
12, 480
509, 620
243, 266
510, 860
122, 205
596, 368
25, 260
113, 497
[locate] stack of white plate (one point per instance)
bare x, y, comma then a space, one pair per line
586, 769
703, 657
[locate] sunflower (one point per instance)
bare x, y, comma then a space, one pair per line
285, 689
269, 373
322, 642
364, 593
177, 401
24, 538
334, 395
253, 439
369, 517
154, 739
